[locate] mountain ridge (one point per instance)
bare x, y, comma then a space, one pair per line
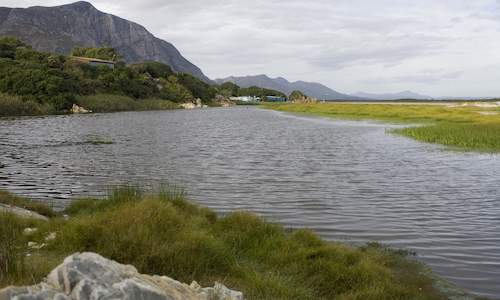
60, 28
312, 89
393, 96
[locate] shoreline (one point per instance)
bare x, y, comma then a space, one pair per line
416, 278
466, 127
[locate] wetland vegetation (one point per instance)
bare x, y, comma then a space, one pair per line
464, 126
164, 234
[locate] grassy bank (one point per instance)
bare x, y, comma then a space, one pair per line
11, 106
463, 127
14, 106
102, 103
164, 234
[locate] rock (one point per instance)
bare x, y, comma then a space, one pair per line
51, 236
29, 231
75, 109
36, 246
21, 212
188, 105
191, 105
198, 102
91, 276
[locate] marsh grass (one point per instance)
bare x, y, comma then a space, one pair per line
15, 106
465, 128
102, 103
166, 235
41, 208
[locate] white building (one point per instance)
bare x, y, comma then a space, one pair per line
245, 98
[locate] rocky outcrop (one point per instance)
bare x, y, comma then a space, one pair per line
61, 28
21, 212
91, 276
75, 109
192, 105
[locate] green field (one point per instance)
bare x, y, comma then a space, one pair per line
470, 127
166, 235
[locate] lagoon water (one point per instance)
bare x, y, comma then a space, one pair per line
346, 180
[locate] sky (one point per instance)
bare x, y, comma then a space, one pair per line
437, 48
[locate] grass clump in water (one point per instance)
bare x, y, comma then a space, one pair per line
163, 234
464, 127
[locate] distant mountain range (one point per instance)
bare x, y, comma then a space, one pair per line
311, 89
61, 28
392, 96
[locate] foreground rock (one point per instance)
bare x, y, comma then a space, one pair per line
21, 212
91, 276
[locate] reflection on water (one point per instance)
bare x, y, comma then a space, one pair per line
346, 180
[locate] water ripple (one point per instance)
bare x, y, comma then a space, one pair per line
346, 180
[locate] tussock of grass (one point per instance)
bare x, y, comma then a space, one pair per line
164, 234
10, 199
459, 127
102, 103
15, 266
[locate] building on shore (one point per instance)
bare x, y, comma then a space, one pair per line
94, 61
245, 99
274, 99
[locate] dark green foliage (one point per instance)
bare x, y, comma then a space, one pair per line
104, 53
229, 89
155, 69
8, 47
38, 83
198, 88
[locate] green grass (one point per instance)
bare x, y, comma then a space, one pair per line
166, 235
41, 208
102, 103
460, 127
15, 106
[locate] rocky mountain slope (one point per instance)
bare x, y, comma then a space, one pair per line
61, 28
311, 89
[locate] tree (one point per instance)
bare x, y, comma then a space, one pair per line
155, 69
259, 92
9, 46
296, 96
198, 88
229, 89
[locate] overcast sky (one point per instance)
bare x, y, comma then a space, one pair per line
439, 48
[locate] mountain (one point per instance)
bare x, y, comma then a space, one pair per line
311, 89
393, 96
61, 28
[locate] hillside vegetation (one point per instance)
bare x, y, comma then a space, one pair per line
466, 126
37, 83
166, 235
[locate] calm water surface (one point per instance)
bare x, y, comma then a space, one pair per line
346, 180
